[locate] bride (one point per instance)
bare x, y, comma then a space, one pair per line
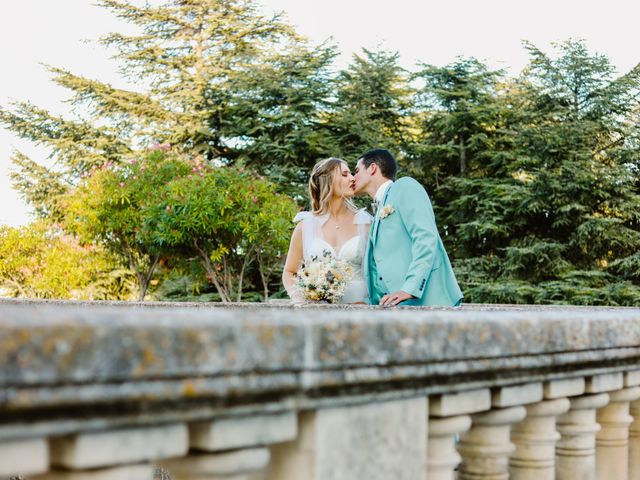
333, 224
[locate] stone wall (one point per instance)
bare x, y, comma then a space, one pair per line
96, 390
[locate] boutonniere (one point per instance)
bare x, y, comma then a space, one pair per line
386, 211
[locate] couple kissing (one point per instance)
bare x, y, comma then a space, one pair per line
395, 257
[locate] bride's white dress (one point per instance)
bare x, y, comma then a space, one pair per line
314, 244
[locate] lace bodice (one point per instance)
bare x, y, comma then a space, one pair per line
352, 250
314, 244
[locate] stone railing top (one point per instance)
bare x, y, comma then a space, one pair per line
138, 357
47, 343
75, 358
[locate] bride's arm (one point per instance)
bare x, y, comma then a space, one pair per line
294, 259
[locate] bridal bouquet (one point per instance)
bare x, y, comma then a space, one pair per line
323, 279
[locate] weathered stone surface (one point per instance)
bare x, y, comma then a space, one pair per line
569, 387
24, 457
129, 472
516, 395
240, 432
458, 403
199, 362
375, 441
238, 462
91, 450
443, 458
50, 344
632, 378
604, 383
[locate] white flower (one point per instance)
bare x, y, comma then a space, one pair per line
386, 211
322, 278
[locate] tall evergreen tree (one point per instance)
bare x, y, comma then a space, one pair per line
462, 122
277, 118
190, 63
465, 126
371, 106
561, 223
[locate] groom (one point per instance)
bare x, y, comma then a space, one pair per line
405, 261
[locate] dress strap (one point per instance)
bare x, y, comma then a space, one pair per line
301, 216
363, 219
311, 229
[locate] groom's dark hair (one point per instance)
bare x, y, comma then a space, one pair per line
385, 161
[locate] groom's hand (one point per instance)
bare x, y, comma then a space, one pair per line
393, 299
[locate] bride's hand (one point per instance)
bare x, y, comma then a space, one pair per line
297, 298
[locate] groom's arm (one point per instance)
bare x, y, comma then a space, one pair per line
418, 218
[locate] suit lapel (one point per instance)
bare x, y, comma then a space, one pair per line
377, 219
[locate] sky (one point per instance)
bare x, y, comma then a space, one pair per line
62, 33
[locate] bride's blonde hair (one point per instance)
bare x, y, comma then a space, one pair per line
321, 185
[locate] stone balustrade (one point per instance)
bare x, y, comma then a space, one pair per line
96, 391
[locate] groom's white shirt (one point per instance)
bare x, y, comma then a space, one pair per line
382, 189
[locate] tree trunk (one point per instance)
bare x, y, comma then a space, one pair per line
145, 277
206, 263
263, 277
462, 150
227, 280
245, 263
144, 285
17, 285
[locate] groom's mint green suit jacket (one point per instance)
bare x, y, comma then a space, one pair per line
405, 251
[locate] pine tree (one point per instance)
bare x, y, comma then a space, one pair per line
279, 115
189, 65
560, 224
462, 122
371, 107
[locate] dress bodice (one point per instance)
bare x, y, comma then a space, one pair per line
347, 251
314, 243
352, 250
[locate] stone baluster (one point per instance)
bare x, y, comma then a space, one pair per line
633, 379
24, 457
443, 458
376, 441
487, 446
123, 454
448, 417
535, 438
245, 464
612, 441
143, 471
233, 448
576, 449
